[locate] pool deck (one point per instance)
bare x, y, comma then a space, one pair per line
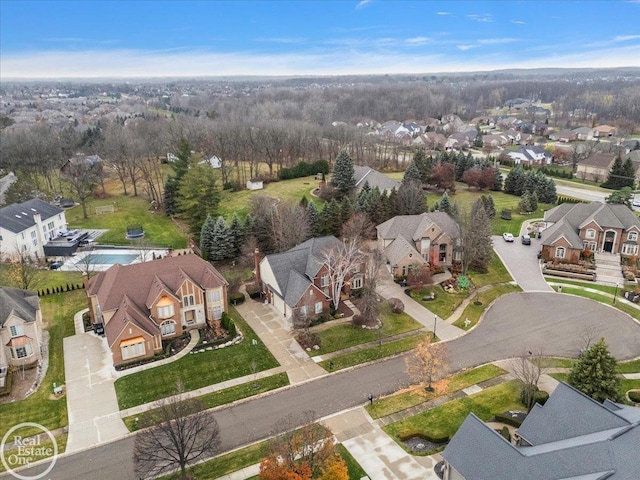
76, 262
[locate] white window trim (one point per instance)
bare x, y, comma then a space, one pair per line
166, 324
16, 330
195, 317
356, 282
217, 312
560, 250
318, 308
137, 352
634, 238
324, 281
590, 234
167, 311
304, 310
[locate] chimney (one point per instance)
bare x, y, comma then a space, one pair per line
256, 264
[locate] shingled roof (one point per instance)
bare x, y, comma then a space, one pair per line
411, 227
19, 216
572, 436
23, 304
374, 178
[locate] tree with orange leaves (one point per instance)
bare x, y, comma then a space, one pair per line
427, 364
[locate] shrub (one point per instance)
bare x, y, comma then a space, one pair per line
254, 291
541, 397
304, 169
236, 298
308, 339
505, 433
509, 419
634, 395
396, 305
359, 320
506, 214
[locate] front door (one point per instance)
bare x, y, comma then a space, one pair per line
609, 238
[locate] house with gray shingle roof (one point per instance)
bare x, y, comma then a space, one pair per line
26, 227
596, 226
142, 304
20, 329
414, 240
298, 280
595, 167
571, 437
367, 175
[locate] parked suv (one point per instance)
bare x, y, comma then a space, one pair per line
526, 239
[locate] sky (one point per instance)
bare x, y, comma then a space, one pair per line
77, 39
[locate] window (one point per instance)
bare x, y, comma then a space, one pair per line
22, 352
356, 282
213, 296
324, 280
591, 233
33, 234
632, 236
356, 268
217, 312
16, 330
629, 249
190, 316
318, 308
303, 310
560, 252
166, 311
168, 328
188, 300
50, 225
133, 350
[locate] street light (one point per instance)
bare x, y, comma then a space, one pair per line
435, 319
615, 293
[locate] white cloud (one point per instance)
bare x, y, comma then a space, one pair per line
464, 48
517, 22
485, 17
417, 41
363, 3
443, 13
284, 40
496, 41
625, 38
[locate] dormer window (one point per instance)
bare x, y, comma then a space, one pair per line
165, 308
632, 236
591, 233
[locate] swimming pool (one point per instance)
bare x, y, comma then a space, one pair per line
108, 258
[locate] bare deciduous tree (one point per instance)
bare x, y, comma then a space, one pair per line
182, 432
342, 261
23, 271
527, 369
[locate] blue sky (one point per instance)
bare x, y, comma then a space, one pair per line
165, 38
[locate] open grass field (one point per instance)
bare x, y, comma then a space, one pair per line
286, 190
160, 230
197, 370
444, 421
42, 407
44, 278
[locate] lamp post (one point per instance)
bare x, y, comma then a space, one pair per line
435, 320
615, 293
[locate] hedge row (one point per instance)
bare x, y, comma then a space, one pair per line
304, 169
236, 298
563, 199
60, 289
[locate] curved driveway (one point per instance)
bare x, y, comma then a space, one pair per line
522, 262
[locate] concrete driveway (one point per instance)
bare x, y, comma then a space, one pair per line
551, 323
522, 262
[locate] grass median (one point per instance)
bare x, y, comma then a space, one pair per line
473, 312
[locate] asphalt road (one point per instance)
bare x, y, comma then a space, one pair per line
581, 193
517, 323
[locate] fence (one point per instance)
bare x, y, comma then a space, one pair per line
105, 209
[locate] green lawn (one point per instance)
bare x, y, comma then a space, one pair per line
633, 312
444, 421
473, 312
355, 470
372, 353
57, 312
347, 335
160, 230
401, 401
221, 397
625, 384
555, 362
196, 370
591, 285
444, 304
287, 190
44, 278
632, 366
497, 273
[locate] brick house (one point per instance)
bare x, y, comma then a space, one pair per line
596, 167
299, 280
414, 240
599, 227
142, 304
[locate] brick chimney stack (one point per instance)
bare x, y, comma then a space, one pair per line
256, 264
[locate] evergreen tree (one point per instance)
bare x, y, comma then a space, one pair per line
330, 220
533, 202
199, 195
445, 205
248, 226
477, 239
423, 164
412, 175
620, 175
221, 241
622, 197
314, 219
237, 234
514, 183
170, 193
629, 173
364, 197
489, 206
497, 181
206, 237
595, 373
346, 210
343, 173
548, 194
410, 200
180, 165
524, 205
304, 201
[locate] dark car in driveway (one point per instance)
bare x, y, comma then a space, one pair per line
525, 239
55, 265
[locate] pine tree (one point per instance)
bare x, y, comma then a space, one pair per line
304, 201
237, 234
524, 205
424, 165
477, 242
620, 175
206, 237
330, 221
412, 175
514, 183
314, 219
629, 173
497, 181
595, 373
533, 202
489, 206
364, 197
343, 173
169, 196
346, 210
444, 205
221, 241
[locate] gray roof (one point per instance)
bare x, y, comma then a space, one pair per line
580, 439
295, 269
568, 219
411, 227
601, 160
19, 216
399, 249
374, 178
21, 303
